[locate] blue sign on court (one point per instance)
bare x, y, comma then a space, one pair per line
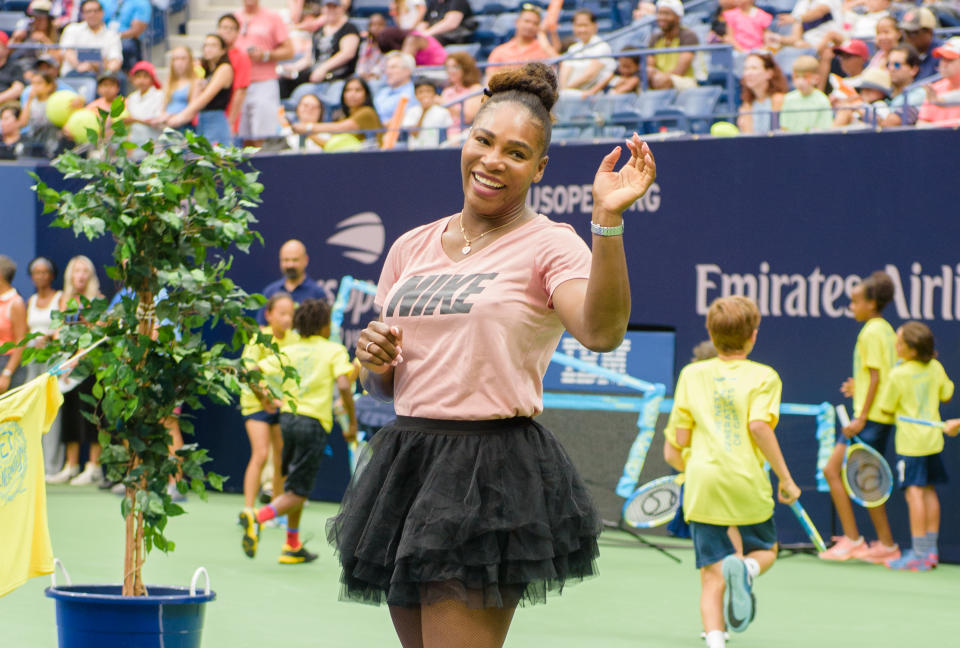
647, 355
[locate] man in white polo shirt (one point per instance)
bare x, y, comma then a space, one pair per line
264, 36
91, 32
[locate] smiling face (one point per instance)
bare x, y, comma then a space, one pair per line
584, 28
309, 110
501, 158
887, 35
755, 73
901, 74
212, 48
667, 20
528, 23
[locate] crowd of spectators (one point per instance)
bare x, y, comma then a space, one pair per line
317, 77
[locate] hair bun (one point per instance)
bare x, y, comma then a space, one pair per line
534, 78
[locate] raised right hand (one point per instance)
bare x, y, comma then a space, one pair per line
379, 347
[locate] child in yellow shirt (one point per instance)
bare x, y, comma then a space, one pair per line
726, 409
322, 365
915, 388
873, 358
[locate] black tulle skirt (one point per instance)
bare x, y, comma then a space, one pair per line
491, 513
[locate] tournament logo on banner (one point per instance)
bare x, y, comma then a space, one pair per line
13, 460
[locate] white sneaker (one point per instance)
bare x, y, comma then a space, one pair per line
92, 474
65, 475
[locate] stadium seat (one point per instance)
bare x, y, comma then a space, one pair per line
9, 20
786, 56
572, 109
18, 6
692, 109
494, 7
606, 106
562, 133
503, 26
86, 86
367, 7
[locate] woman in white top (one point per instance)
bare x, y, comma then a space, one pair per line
407, 14
581, 75
40, 309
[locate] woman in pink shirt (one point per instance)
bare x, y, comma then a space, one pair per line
746, 25
465, 507
13, 323
425, 49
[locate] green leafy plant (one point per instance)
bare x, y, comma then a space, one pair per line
175, 209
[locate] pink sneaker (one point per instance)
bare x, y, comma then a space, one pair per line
876, 552
843, 549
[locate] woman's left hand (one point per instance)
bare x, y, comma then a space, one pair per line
176, 121
615, 191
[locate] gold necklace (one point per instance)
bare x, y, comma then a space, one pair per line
465, 250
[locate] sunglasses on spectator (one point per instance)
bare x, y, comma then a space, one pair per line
896, 65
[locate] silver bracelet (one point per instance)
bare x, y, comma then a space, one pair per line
600, 230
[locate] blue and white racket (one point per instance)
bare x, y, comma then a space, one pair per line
866, 475
919, 421
654, 503
808, 526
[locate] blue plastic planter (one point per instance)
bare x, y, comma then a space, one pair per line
97, 616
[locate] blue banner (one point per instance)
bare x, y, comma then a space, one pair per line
648, 355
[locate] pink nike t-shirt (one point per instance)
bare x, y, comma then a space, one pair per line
477, 333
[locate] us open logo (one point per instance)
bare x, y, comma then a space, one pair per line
362, 235
13, 460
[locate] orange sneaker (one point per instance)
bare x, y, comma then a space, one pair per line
876, 552
843, 549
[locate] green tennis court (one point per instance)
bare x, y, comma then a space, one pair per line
640, 598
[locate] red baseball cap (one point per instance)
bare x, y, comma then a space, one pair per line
146, 66
949, 50
854, 48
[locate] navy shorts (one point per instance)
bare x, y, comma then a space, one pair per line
266, 417
873, 434
304, 441
712, 544
920, 471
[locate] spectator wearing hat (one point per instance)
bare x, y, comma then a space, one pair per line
917, 26
671, 69
145, 104
43, 65
35, 27
449, 21
903, 63
93, 33
130, 19
871, 106
11, 75
529, 42
942, 107
852, 56
264, 36
108, 89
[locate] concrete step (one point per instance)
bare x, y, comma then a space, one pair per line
202, 25
193, 42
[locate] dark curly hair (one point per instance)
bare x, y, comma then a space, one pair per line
534, 86
878, 288
311, 317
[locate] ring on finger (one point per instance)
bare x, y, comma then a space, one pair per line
367, 348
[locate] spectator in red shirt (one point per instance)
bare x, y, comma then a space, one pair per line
264, 36
228, 27
942, 107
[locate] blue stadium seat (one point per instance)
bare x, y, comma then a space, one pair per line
9, 20
786, 56
503, 27
367, 7
86, 86
572, 109
16, 5
693, 109
606, 106
562, 133
651, 101
494, 7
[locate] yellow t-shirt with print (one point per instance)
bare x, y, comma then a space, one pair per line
319, 362
726, 483
916, 389
25, 416
252, 354
875, 349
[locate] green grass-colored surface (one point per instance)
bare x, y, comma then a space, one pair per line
640, 598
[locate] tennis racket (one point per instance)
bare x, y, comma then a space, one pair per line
866, 475
808, 526
647, 424
654, 503
919, 421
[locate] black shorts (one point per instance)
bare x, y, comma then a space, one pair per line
74, 427
304, 441
927, 470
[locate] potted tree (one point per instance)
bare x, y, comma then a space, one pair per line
175, 209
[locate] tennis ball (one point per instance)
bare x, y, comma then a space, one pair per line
59, 106
78, 123
724, 129
343, 142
